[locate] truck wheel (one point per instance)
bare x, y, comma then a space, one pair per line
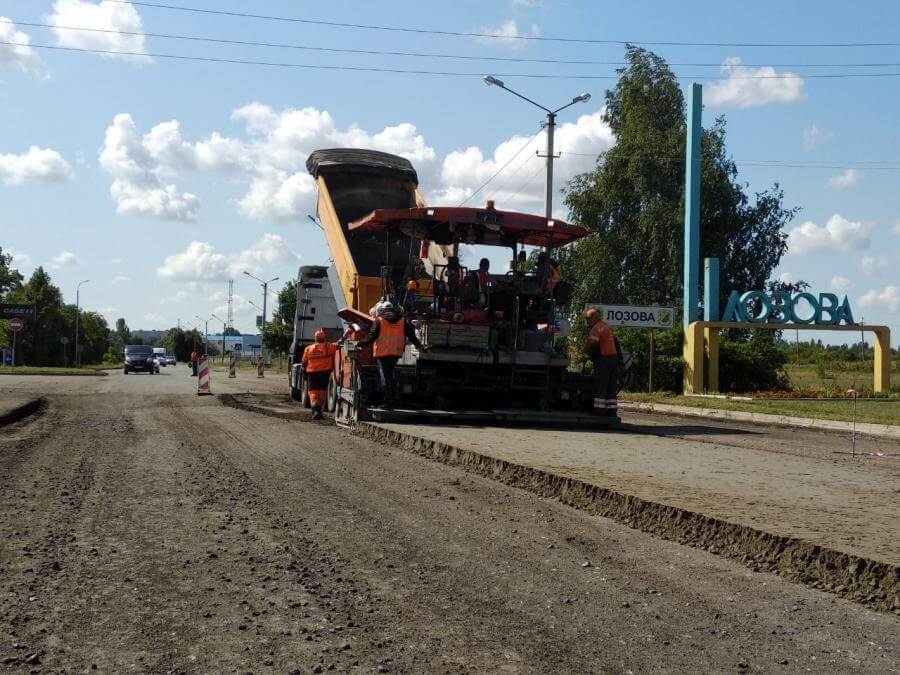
331, 398
296, 394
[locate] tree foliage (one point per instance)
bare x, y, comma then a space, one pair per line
280, 329
9, 277
634, 201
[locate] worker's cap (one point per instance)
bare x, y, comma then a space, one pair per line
319, 335
412, 285
591, 314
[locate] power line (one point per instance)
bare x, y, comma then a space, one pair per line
499, 188
407, 71
492, 36
429, 55
500, 170
863, 165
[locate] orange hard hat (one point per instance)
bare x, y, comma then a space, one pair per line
412, 285
591, 314
319, 335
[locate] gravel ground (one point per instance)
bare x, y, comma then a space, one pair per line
143, 528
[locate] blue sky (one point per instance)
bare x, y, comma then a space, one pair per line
158, 179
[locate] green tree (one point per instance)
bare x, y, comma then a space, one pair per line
181, 343
39, 340
9, 277
634, 201
95, 337
280, 330
122, 335
231, 330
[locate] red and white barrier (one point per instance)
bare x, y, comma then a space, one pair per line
231, 367
203, 377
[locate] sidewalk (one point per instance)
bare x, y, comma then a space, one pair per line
817, 516
891, 431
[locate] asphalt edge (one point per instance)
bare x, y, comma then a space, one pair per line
787, 421
86, 373
869, 582
232, 401
20, 412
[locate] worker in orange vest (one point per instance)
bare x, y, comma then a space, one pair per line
389, 334
603, 349
317, 364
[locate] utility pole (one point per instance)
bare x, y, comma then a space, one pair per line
205, 335
550, 125
77, 321
265, 287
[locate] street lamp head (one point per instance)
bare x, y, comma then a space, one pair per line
492, 81
584, 98
247, 273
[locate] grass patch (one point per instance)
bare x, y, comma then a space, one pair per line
876, 412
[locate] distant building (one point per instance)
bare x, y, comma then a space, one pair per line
250, 345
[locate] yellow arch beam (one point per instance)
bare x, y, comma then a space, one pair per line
701, 339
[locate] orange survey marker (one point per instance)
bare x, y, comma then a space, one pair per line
203, 376
231, 367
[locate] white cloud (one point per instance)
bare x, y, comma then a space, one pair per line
786, 278
840, 284
897, 227
115, 261
178, 297
745, 87
120, 22
18, 55
20, 260
888, 298
137, 187
119, 279
844, 180
873, 264
838, 234
463, 171
66, 259
813, 136
36, 164
507, 33
201, 262
155, 320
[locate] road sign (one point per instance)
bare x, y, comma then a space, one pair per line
15, 325
259, 320
237, 347
7, 357
628, 316
8, 311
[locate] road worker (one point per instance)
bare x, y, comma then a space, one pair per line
389, 334
194, 358
317, 365
602, 348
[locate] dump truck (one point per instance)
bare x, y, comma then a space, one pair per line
491, 338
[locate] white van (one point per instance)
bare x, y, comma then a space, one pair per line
159, 353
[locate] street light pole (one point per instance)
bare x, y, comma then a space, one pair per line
550, 125
224, 325
265, 287
205, 335
77, 320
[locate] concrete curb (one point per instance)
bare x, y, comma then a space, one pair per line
870, 582
863, 428
87, 373
22, 411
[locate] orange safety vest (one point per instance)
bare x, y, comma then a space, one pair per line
391, 338
600, 339
319, 357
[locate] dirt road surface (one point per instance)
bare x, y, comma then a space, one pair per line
146, 529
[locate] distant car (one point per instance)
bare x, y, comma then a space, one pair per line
170, 360
140, 359
160, 354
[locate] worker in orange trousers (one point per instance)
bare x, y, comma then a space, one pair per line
317, 364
